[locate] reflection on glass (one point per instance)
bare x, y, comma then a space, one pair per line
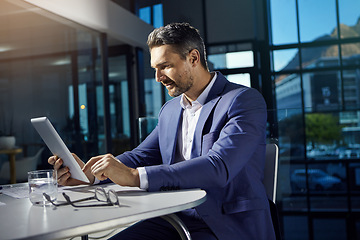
287, 59
350, 53
322, 90
283, 22
242, 78
317, 57
291, 134
317, 20
288, 91
349, 18
323, 135
119, 104
351, 85
56, 78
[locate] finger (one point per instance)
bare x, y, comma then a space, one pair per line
62, 180
91, 162
58, 164
63, 171
99, 172
52, 159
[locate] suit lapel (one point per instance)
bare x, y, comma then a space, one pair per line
171, 133
213, 97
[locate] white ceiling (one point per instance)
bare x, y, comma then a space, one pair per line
27, 30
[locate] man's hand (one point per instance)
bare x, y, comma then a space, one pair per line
107, 166
64, 176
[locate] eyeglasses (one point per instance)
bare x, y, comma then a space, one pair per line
110, 197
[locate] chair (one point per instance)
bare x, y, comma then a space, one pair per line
270, 183
270, 171
22, 166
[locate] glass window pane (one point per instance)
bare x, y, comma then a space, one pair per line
145, 14
317, 20
323, 135
349, 18
283, 22
119, 104
158, 15
231, 60
329, 229
153, 97
296, 227
351, 83
287, 59
354, 179
291, 134
317, 57
288, 91
351, 54
292, 191
242, 78
322, 90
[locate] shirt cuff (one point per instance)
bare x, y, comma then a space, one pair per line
144, 183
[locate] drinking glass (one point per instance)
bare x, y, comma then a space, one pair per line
40, 182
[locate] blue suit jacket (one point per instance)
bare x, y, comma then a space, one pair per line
227, 160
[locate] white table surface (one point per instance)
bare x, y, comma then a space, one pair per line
19, 219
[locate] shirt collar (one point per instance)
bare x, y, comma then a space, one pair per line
184, 102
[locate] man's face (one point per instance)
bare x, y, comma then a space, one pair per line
171, 70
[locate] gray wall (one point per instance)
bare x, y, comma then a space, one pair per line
226, 20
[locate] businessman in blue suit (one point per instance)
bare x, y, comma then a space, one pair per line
211, 135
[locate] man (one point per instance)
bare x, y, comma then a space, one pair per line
210, 136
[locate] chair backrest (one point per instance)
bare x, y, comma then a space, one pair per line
271, 170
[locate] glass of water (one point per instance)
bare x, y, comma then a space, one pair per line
42, 181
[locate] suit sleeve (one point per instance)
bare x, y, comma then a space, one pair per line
235, 135
146, 154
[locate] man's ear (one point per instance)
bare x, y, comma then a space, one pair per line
194, 57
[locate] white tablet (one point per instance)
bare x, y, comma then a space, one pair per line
58, 147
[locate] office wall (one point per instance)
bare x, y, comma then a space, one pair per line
220, 21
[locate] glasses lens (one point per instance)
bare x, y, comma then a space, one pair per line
113, 197
100, 194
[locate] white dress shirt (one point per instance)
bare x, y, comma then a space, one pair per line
187, 127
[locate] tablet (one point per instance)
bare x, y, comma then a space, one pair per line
58, 147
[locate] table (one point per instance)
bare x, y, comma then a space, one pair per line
11, 153
20, 219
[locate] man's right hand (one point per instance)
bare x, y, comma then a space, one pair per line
63, 173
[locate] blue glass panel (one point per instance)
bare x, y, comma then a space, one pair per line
158, 15
287, 59
349, 18
317, 20
145, 14
283, 22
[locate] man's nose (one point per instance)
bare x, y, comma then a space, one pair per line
159, 76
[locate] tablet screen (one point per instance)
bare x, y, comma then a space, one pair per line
56, 145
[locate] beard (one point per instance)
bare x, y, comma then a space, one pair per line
182, 85
179, 89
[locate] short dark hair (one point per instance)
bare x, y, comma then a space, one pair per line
182, 37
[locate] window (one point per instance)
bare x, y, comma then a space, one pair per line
152, 15
315, 66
